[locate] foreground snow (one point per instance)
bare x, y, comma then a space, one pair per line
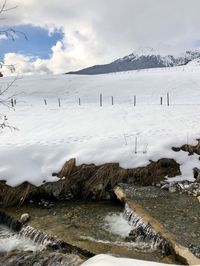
106, 260
49, 135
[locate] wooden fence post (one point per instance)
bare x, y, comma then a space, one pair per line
168, 99
134, 100
112, 100
12, 102
101, 100
136, 144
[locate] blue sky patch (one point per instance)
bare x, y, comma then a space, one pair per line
196, 43
39, 42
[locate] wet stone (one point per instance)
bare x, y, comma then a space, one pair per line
195, 249
187, 187
196, 173
172, 189
25, 217
40, 259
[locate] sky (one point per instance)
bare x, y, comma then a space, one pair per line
68, 35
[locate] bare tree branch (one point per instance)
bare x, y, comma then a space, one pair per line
4, 123
12, 34
4, 9
8, 86
8, 100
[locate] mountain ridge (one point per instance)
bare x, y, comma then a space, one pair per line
137, 61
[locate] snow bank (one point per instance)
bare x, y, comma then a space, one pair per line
49, 135
106, 260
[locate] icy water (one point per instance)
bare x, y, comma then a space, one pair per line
10, 241
95, 226
179, 213
18, 250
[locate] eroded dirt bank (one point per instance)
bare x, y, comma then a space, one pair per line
88, 181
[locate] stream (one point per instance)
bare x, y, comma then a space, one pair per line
99, 227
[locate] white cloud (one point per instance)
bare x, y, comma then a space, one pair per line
70, 53
3, 37
98, 31
66, 55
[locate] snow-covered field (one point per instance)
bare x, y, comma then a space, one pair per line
49, 135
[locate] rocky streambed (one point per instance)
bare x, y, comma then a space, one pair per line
99, 227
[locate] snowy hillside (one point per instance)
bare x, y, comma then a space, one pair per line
142, 59
49, 135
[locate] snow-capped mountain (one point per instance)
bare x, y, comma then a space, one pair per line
141, 60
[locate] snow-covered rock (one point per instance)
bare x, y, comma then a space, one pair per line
106, 260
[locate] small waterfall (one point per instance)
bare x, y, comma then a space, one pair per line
11, 240
28, 232
49, 241
16, 228
36, 236
142, 230
25, 237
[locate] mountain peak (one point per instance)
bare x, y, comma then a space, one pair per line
143, 59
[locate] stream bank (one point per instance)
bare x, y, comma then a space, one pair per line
87, 182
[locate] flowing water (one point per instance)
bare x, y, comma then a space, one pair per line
99, 227
143, 230
9, 241
179, 213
